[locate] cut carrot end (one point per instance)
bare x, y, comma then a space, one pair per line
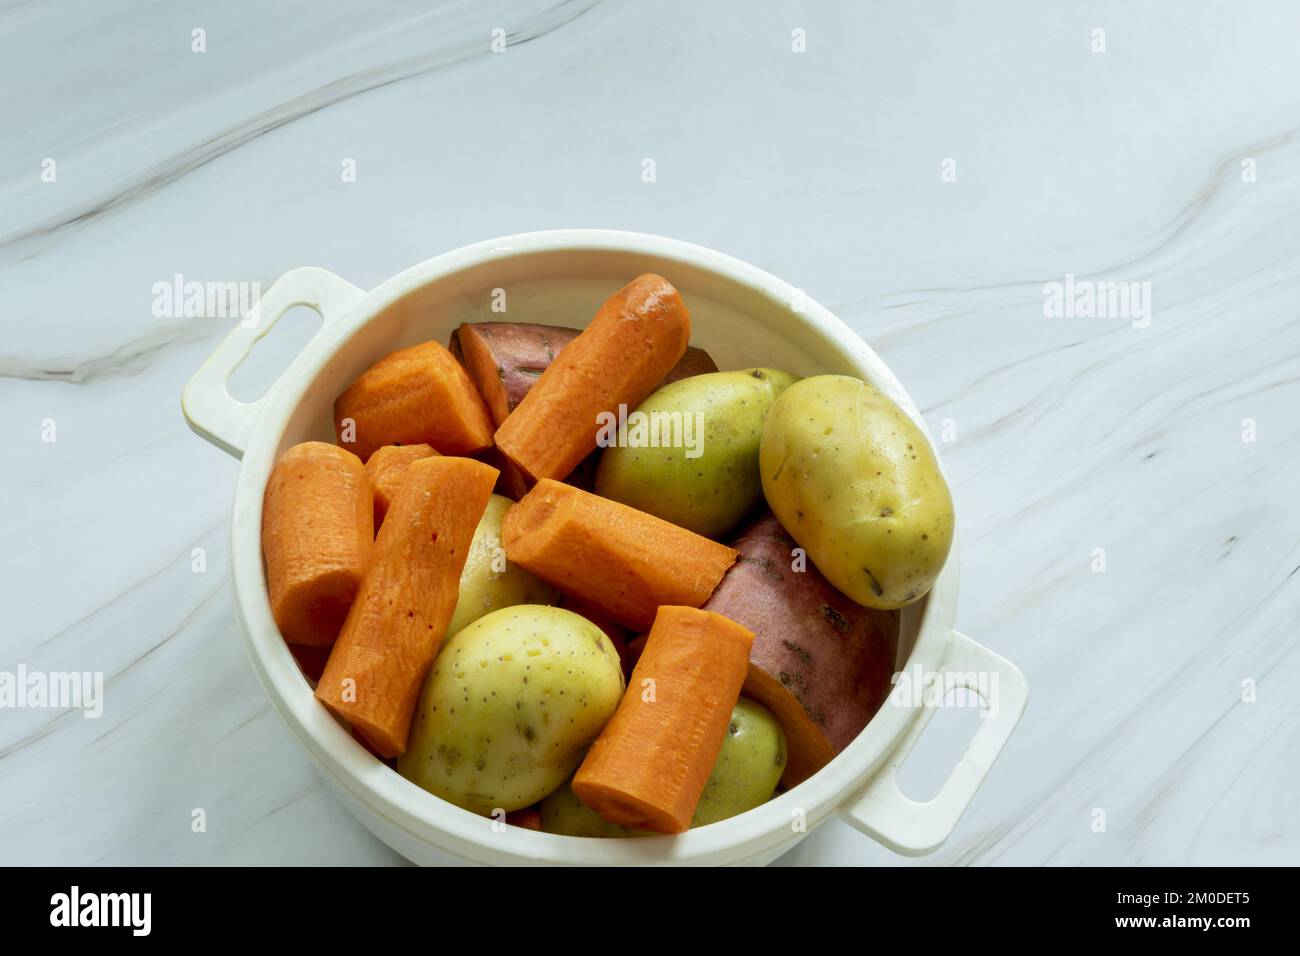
649, 765
621, 561
419, 394
317, 539
637, 336
407, 597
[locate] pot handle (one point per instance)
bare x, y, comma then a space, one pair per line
208, 407
905, 826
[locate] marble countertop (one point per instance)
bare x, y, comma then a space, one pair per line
1126, 482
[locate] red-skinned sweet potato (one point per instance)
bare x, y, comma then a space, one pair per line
820, 662
625, 562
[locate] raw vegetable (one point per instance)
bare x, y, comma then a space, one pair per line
748, 767
618, 635
511, 484
563, 813
622, 561
856, 483
510, 706
317, 534
386, 470
514, 485
820, 662
703, 472
504, 359
634, 649
416, 394
744, 776
360, 738
489, 581
406, 599
636, 337
649, 765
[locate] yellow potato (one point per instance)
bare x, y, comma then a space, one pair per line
489, 582
510, 707
856, 484
709, 481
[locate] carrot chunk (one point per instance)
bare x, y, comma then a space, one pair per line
317, 534
416, 394
624, 562
636, 337
407, 598
505, 359
649, 765
386, 470
634, 649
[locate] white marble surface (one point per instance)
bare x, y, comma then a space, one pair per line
823, 167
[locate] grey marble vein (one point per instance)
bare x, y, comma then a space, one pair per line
130, 358
334, 91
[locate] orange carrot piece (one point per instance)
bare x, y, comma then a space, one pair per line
386, 470
513, 485
406, 600
317, 534
623, 561
416, 394
649, 765
505, 359
636, 337
370, 749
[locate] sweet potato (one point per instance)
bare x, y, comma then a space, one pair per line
649, 765
416, 394
623, 561
386, 470
694, 361
505, 359
820, 662
406, 599
317, 534
640, 333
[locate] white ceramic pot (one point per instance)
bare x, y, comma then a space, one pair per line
743, 317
